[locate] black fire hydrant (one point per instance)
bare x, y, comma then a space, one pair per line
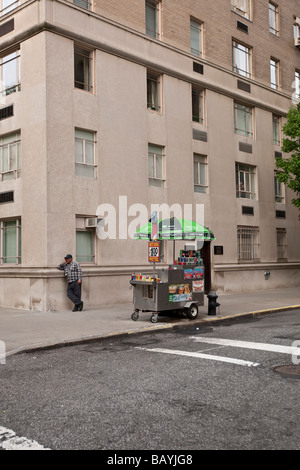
212, 302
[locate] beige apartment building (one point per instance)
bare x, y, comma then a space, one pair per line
124, 104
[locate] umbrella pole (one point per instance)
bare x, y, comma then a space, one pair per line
173, 252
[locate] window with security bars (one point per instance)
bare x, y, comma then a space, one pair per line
281, 244
10, 241
247, 243
10, 73
10, 156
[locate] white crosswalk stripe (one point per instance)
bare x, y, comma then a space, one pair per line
247, 344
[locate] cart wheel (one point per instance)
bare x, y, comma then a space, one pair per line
154, 317
135, 316
192, 312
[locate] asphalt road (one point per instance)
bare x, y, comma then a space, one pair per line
182, 390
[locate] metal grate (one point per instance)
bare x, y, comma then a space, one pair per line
248, 210
199, 135
198, 68
7, 112
244, 86
6, 197
241, 26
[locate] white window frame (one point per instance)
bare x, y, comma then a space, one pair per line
83, 167
81, 229
200, 173
10, 156
276, 125
248, 243
154, 87
243, 120
156, 171
86, 4
297, 85
16, 258
242, 7
279, 189
245, 177
273, 19
196, 37
152, 15
241, 59
10, 64
197, 105
87, 58
7, 6
274, 73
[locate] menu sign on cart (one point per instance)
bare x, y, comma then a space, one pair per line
153, 252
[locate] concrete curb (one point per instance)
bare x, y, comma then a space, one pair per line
151, 329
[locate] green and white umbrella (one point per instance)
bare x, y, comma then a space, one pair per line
175, 229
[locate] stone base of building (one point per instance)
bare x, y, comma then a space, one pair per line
45, 290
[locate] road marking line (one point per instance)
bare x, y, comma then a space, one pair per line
10, 441
247, 344
202, 356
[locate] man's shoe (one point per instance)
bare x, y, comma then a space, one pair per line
80, 306
75, 309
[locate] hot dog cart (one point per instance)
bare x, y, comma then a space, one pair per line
176, 288
180, 286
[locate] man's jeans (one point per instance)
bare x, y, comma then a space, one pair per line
74, 292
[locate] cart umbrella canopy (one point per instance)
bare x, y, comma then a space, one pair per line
175, 229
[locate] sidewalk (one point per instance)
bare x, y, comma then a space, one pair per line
23, 330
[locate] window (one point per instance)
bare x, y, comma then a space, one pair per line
241, 59
273, 19
281, 244
279, 190
274, 73
85, 143
242, 7
247, 243
196, 38
197, 105
276, 130
10, 156
153, 92
156, 171
200, 177
7, 6
152, 18
296, 30
83, 4
296, 94
85, 242
10, 73
243, 120
245, 181
10, 238
83, 69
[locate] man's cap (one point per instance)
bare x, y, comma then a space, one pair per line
68, 256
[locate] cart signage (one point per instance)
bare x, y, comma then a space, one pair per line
153, 252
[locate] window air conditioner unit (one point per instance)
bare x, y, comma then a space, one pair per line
92, 222
297, 41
